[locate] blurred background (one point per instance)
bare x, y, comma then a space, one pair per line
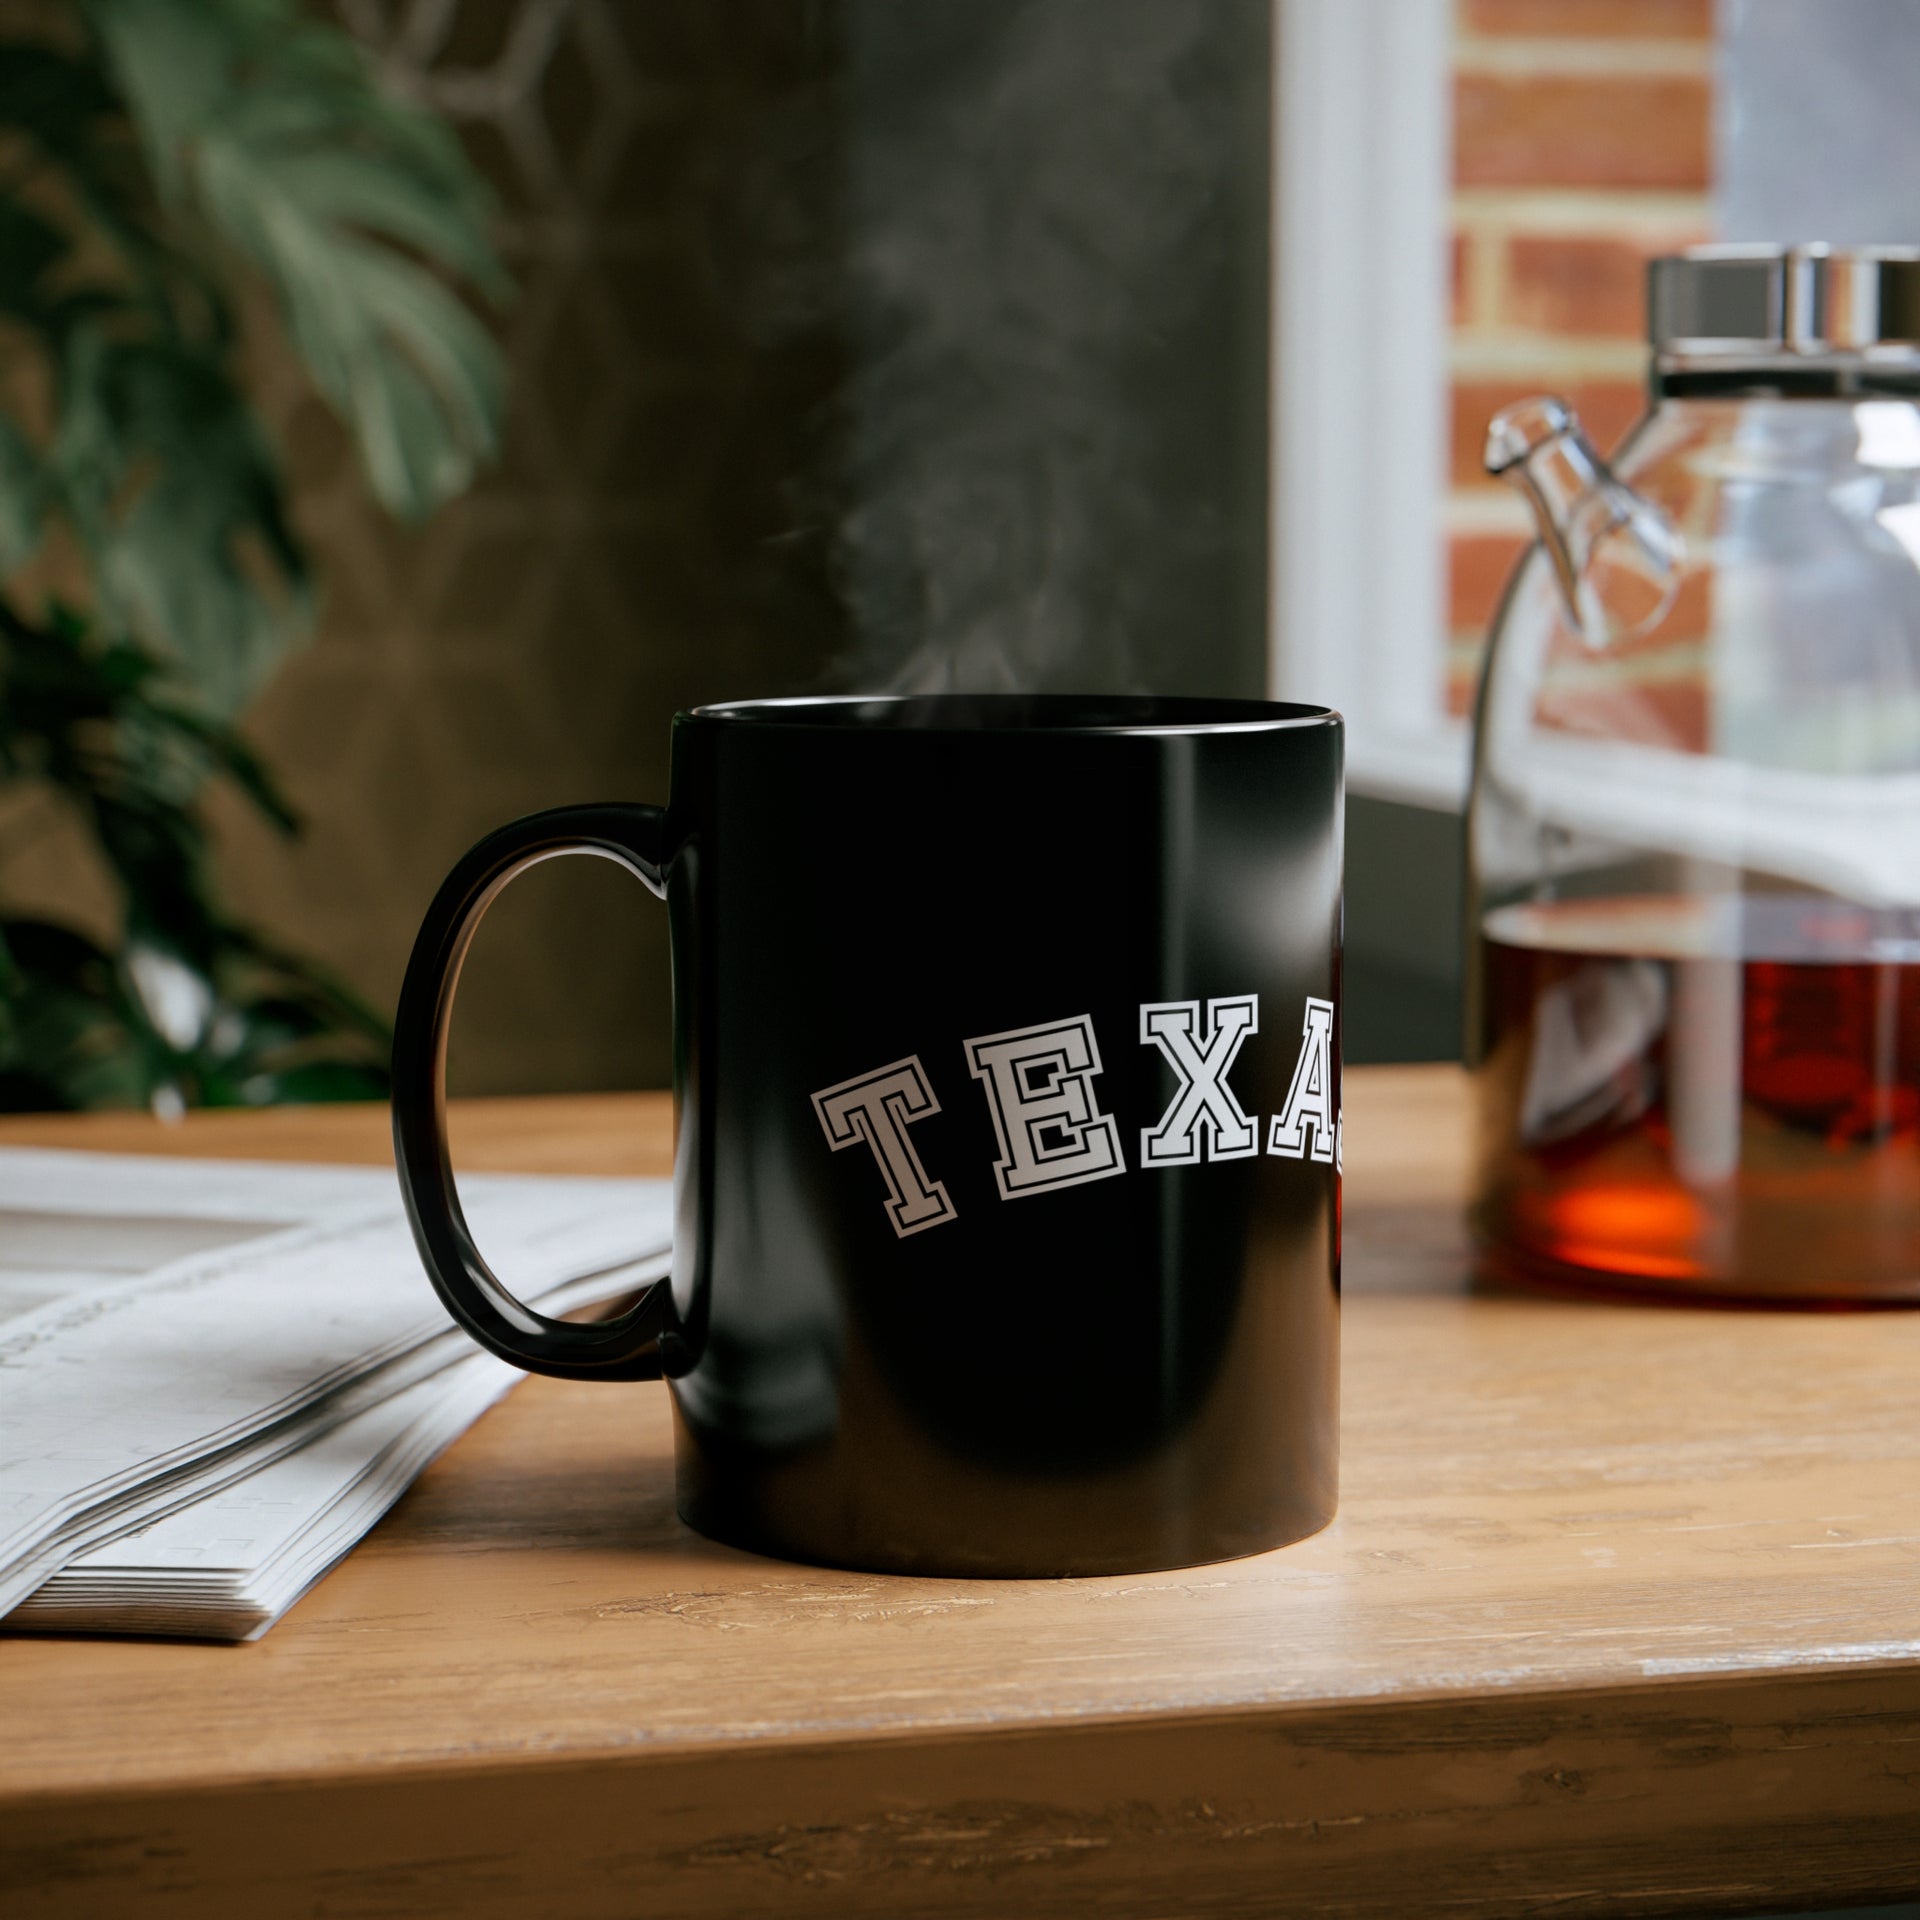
840, 344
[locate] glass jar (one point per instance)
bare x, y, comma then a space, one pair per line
1694, 832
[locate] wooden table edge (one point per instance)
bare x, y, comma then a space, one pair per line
1702, 1793
1542, 1703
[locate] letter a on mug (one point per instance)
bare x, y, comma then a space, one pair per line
1039, 1084
877, 1107
1304, 1127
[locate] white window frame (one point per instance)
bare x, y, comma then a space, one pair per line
1362, 157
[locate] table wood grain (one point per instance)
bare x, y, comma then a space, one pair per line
1621, 1614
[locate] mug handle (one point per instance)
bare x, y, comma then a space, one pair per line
625, 1348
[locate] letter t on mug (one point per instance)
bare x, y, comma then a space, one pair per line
878, 1108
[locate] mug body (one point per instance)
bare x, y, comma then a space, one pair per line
1007, 1060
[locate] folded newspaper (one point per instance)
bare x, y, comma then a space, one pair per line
216, 1376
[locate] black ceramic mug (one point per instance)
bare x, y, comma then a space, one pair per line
1008, 1094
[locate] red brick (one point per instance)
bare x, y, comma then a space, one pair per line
1688, 621
1478, 565
1579, 286
1460, 294
1607, 408
1581, 130
1662, 713
1463, 681
1592, 19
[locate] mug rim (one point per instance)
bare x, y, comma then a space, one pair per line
1015, 713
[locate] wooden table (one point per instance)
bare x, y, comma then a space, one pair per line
1621, 1614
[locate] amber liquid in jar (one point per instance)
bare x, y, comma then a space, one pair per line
1702, 1096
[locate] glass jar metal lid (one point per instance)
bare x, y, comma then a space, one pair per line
1747, 302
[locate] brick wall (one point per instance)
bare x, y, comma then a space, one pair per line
1582, 147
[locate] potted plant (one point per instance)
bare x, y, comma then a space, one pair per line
158, 160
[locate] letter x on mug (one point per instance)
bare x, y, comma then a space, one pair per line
1008, 1137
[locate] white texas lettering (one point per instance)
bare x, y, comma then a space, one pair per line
878, 1107
1038, 1082
1305, 1126
1203, 1121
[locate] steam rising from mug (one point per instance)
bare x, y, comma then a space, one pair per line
1049, 441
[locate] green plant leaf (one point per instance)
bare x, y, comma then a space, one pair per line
229, 754
273, 131
77, 141
53, 98
140, 164
65, 1040
165, 473
29, 247
416, 377
23, 497
171, 63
